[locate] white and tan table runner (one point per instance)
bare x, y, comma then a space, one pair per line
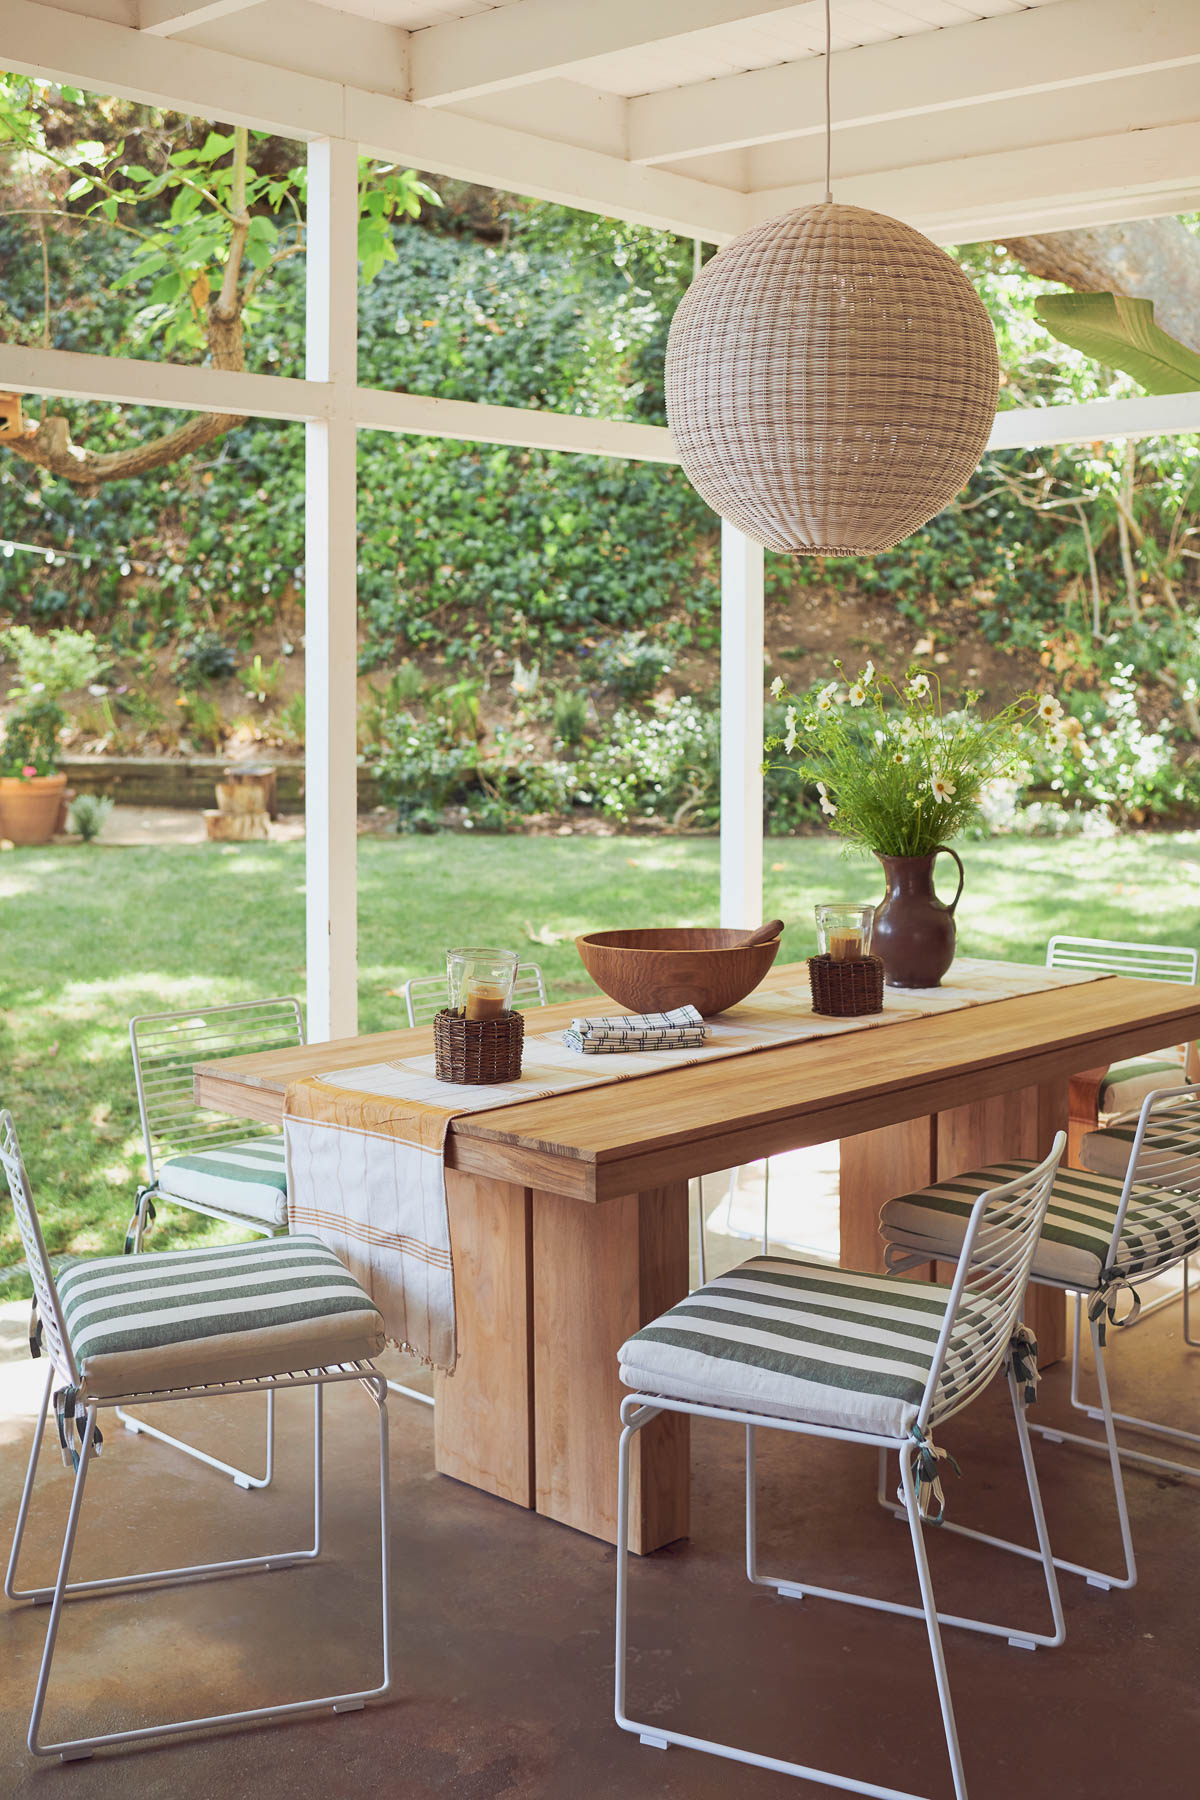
366, 1146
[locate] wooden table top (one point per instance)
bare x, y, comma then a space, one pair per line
623, 1137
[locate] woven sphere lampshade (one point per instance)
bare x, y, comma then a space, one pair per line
831, 381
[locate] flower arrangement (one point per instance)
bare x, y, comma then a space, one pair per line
895, 770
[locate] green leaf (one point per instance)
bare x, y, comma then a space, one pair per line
1120, 333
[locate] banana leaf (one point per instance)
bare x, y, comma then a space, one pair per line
1121, 334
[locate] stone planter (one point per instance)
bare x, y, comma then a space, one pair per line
31, 807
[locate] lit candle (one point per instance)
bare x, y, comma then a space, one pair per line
484, 999
845, 946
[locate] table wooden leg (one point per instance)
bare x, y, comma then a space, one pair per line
599, 1272
1018, 1124
876, 1166
483, 1413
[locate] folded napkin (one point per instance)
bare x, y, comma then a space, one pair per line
678, 1030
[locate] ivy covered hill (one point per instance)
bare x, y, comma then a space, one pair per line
527, 620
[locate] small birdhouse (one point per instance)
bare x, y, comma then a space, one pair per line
11, 423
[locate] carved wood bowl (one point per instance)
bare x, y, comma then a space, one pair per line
654, 971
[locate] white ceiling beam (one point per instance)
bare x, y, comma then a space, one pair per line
42, 41
1094, 181
1146, 415
1070, 44
162, 18
130, 381
510, 46
377, 410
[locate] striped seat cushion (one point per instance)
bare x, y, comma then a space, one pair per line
797, 1340
248, 1179
1126, 1084
1160, 1227
181, 1318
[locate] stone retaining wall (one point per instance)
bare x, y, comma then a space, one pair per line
187, 782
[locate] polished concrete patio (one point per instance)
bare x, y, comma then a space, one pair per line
502, 1638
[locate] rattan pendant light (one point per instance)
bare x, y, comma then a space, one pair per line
831, 379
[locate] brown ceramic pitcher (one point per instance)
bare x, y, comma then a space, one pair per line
914, 931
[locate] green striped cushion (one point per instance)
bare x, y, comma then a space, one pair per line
186, 1317
799, 1340
1127, 1084
1159, 1227
248, 1179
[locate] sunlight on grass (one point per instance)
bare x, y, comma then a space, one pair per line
91, 938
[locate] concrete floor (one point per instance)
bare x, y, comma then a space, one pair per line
502, 1621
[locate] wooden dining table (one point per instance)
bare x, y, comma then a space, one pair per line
569, 1214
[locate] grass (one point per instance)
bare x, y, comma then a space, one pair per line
89, 936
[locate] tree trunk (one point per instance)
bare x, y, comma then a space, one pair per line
1146, 259
49, 444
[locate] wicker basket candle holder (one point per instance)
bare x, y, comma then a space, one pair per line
846, 987
477, 1052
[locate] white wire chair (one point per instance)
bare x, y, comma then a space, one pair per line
165, 1048
426, 995
1147, 1238
976, 1337
72, 1398
1178, 963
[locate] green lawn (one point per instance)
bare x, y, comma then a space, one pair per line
89, 936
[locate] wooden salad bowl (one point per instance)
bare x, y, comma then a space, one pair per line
654, 971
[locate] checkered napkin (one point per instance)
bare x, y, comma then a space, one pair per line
678, 1030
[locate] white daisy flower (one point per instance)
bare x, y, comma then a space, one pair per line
899, 757
789, 741
868, 675
777, 687
1049, 709
941, 788
857, 694
827, 806
1056, 738
918, 687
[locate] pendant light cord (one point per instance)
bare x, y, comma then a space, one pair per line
828, 108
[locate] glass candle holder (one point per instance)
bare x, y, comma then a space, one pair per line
844, 930
480, 982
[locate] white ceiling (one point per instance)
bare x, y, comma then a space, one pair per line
969, 117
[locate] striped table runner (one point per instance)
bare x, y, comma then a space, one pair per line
366, 1146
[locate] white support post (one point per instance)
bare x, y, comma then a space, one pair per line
330, 595
741, 728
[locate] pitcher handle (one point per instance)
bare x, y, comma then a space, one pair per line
938, 849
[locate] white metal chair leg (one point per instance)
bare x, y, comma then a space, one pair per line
1096, 1577
398, 1387
1152, 1427
661, 1737
11, 1590
1017, 1635
63, 1588
139, 1428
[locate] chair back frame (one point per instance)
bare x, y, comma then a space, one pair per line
1165, 1152
426, 995
1149, 962
995, 1261
45, 1289
166, 1045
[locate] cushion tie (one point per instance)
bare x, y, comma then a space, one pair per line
35, 1330
1102, 1305
929, 1479
131, 1234
66, 1414
1022, 1359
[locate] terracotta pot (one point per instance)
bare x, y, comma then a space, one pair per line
30, 807
914, 931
